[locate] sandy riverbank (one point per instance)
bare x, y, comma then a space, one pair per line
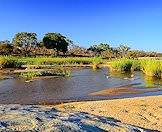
143, 112
135, 114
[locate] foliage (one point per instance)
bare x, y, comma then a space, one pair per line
109, 54
16, 62
24, 39
55, 72
123, 50
138, 53
151, 67
9, 62
5, 48
122, 65
56, 60
99, 48
29, 75
26, 44
56, 41
79, 51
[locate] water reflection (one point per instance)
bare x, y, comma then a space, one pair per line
146, 81
151, 82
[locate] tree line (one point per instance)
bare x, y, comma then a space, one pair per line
27, 44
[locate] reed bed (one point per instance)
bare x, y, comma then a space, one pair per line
151, 67
124, 65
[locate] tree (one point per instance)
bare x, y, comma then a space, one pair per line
80, 51
123, 49
25, 39
5, 47
56, 41
24, 42
99, 48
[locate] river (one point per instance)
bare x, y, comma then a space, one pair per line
80, 86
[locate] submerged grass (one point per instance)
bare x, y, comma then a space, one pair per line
31, 75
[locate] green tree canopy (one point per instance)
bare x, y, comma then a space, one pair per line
56, 41
24, 39
100, 48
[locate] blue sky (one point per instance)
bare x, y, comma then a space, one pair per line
137, 23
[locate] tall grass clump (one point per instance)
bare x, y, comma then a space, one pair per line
152, 68
121, 65
96, 62
136, 66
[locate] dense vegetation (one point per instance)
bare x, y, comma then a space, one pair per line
56, 49
17, 62
54, 44
151, 67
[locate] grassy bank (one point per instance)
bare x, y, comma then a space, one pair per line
17, 62
151, 67
57, 60
46, 66
10, 62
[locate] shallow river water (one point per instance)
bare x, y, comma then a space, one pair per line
80, 86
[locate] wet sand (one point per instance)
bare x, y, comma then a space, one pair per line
117, 91
128, 89
145, 112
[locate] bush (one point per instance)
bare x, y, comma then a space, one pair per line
5, 49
